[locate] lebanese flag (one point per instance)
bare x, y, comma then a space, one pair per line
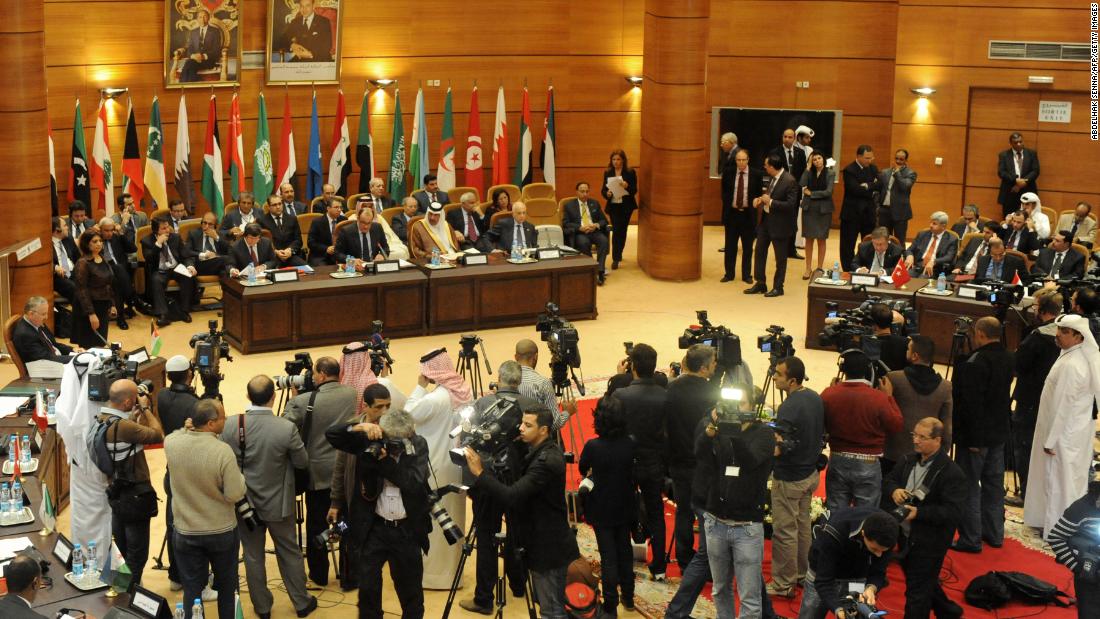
500, 143
474, 176
339, 162
132, 180
235, 160
287, 164
900, 276
101, 171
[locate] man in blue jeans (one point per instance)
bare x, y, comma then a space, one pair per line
206, 485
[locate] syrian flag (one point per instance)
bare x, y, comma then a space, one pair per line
364, 148
288, 166
79, 187
155, 185
339, 162
549, 147
263, 177
212, 168
500, 143
397, 151
523, 155
53, 170
154, 338
418, 153
47, 514
445, 170
101, 170
235, 160
474, 177
900, 275
185, 187
132, 181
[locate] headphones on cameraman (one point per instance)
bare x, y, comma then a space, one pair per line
856, 355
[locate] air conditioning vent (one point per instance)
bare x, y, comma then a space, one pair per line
1034, 50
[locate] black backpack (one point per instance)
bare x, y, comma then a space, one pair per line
995, 589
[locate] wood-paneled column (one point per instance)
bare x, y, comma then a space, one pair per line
670, 221
25, 172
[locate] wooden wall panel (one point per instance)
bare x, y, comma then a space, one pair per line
825, 29
928, 198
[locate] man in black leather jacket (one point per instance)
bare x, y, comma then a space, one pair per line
174, 406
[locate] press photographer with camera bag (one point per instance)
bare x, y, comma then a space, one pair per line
1075, 540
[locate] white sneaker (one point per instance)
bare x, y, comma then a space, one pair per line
209, 595
174, 586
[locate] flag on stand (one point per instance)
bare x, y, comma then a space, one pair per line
154, 338
500, 143
235, 160
900, 275
339, 161
185, 187
364, 147
445, 170
155, 185
314, 175
263, 177
473, 147
101, 170
46, 512
132, 181
418, 152
53, 171
288, 165
212, 169
41, 414
17, 469
523, 155
549, 147
1016, 279
79, 187
397, 151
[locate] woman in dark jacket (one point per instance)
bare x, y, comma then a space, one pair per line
620, 209
817, 208
502, 201
609, 507
95, 307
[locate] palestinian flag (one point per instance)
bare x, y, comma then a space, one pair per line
212, 169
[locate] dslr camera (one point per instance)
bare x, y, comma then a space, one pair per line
247, 514
725, 343
111, 369
915, 497
855, 609
299, 374
335, 532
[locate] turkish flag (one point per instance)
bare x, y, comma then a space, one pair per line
900, 274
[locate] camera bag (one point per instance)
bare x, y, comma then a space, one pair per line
582, 591
98, 452
130, 500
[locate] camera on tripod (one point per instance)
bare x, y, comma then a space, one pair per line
914, 499
111, 369
726, 345
299, 374
335, 532
379, 348
1001, 294
855, 609
210, 349
562, 339
776, 343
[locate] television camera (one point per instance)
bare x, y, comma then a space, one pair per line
113, 368
562, 339
855, 328
734, 409
855, 609
490, 433
778, 344
210, 348
727, 345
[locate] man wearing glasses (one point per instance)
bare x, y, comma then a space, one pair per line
209, 246
894, 210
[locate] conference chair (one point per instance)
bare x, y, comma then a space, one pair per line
966, 241
893, 239
497, 216
160, 212
537, 190
513, 192
9, 343
1081, 249
349, 204
550, 235
388, 213
455, 194
339, 226
313, 202
1027, 260
1049, 212
304, 222
447, 208
543, 211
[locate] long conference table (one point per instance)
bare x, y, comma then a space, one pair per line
319, 310
935, 314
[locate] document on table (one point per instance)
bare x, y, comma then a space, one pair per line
616, 188
9, 404
8, 547
182, 270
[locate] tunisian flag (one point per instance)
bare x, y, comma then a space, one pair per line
500, 143
474, 177
900, 274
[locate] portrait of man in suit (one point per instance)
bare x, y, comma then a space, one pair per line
202, 43
304, 40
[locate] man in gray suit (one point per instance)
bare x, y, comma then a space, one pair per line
894, 210
778, 214
271, 449
129, 218
314, 412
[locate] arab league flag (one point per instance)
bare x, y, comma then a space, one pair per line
546, 157
263, 177
397, 151
523, 155
155, 185
500, 143
103, 177
314, 174
185, 187
339, 162
79, 186
288, 164
445, 170
46, 512
235, 159
132, 182
53, 170
474, 177
212, 169
154, 338
418, 155
364, 148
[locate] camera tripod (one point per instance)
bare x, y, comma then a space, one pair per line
469, 365
768, 386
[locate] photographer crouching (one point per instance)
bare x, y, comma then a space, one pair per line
930, 493
537, 500
1075, 540
387, 504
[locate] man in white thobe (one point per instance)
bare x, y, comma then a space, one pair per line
1061, 451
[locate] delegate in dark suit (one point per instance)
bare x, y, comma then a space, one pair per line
364, 246
865, 257
777, 225
1072, 266
129, 229
960, 227
208, 44
400, 225
315, 37
240, 257
571, 222
159, 265
947, 247
234, 219
739, 217
201, 244
1022, 240
797, 164
116, 251
857, 211
460, 222
1006, 170
504, 234
895, 210
14, 607
320, 239
285, 234
1005, 271
64, 284
974, 246
35, 344
425, 199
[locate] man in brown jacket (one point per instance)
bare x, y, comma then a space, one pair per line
920, 392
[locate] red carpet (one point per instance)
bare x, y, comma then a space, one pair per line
958, 568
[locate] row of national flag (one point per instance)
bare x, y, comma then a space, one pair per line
220, 160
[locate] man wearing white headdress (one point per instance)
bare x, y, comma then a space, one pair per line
432, 232
1062, 446
802, 137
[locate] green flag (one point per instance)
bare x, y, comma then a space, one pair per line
155, 184
263, 176
397, 152
445, 171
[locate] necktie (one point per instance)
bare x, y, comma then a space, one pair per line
175, 225
110, 255
771, 185
46, 338
471, 228
167, 261
889, 186
586, 217
740, 202
63, 259
208, 244
876, 264
519, 241
331, 227
1057, 265
364, 246
790, 159
931, 253
255, 257
1073, 230
202, 34
279, 223
1014, 239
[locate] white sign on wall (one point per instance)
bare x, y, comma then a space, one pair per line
1055, 111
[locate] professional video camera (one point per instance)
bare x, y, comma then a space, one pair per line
776, 343
379, 348
488, 434
210, 349
731, 413
1001, 294
562, 339
855, 609
111, 369
299, 374
855, 328
789, 431
726, 345
915, 497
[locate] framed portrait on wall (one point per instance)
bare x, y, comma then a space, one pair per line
202, 43
303, 41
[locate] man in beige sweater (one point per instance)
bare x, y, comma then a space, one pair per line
206, 484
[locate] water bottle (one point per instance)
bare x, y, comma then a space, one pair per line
25, 450
251, 274
5, 500
11, 449
78, 562
16, 499
941, 283
51, 403
836, 271
196, 609
435, 256
516, 253
179, 611
92, 563
349, 266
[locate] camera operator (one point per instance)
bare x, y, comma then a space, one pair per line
981, 390
852, 548
920, 392
738, 460
538, 387
268, 449
644, 403
893, 346
689, 398
1034, 357
314, 412
537, 499
387, 502
796, 474
207, 486
175, 405
930, 490
487, 511
135, 426
858, 418
1078, 532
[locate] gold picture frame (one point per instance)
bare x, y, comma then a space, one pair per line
202, 43
300, 49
